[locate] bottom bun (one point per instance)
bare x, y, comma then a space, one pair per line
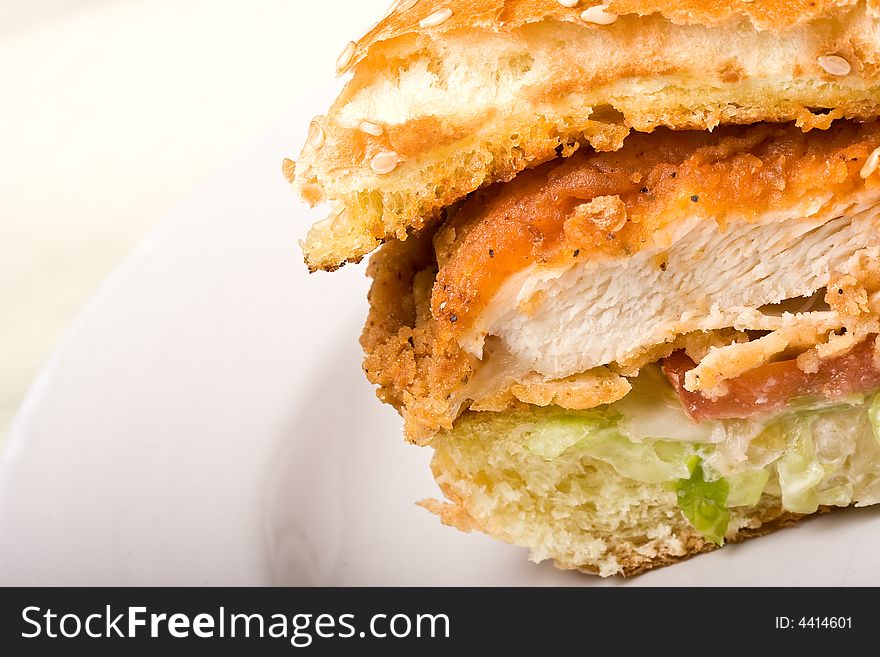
502, 475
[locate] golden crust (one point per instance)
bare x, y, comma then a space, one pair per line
428, 378
504, 86
578, 392
414, 371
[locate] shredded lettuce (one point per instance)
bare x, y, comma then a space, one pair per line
704, 503
653, 410
836, 496
746, 487
595, 434
799, 469
640, 461
556, 433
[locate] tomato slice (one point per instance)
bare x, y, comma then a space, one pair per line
771, 387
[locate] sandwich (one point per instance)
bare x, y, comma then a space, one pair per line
625, 262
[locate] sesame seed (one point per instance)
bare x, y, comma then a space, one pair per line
598, 15
371, 128
346, 55
834, 65
871, 163
576, 253
568, 3
453, 318
403, 5
443, 305
316, 135
437, 18
384, 162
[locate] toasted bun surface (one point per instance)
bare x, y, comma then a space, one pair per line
444, 103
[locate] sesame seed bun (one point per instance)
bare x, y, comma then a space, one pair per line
448, 97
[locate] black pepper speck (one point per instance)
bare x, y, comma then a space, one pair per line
695, 198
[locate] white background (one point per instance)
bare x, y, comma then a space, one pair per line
111, 112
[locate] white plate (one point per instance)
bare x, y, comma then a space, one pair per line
206, 422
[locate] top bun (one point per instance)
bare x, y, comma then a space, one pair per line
448, 96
